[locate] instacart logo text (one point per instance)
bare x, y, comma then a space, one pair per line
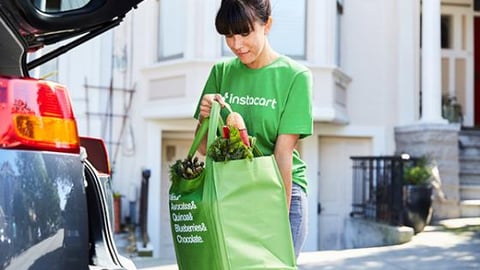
249, 100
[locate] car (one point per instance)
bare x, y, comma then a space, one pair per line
55, 185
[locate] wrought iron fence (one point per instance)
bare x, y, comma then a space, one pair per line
378, 188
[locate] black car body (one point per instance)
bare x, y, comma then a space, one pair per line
55, 194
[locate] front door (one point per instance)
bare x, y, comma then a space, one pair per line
335, 187
476, 76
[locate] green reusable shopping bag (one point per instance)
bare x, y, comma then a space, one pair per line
233, 216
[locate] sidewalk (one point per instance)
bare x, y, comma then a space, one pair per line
454, 244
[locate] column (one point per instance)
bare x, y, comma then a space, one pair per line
431, 63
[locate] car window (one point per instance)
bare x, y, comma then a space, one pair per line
52, 6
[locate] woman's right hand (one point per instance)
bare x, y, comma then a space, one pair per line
206, 104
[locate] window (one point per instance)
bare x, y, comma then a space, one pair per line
446, 31
58, 5
288, 31
287, 35
172, 29
338, 40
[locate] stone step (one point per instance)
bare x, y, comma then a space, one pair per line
469, 177
469, 168
470, 159
470, 208
469, 172
469, 151
469, 138
470, 192
469, 143
460, 223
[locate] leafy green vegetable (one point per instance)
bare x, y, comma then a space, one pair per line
188, 168
232, 148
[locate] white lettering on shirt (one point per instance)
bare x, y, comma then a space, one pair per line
249, 100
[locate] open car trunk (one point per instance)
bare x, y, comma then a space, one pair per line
28, 25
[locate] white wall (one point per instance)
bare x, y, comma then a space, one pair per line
369, 50
378, 52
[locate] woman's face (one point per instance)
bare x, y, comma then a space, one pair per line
249, 47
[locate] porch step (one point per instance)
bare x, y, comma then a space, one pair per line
469, 138
470, 163
470, 208
470, 192
469, 159
469, 177
469, 144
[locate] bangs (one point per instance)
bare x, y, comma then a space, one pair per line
234, 19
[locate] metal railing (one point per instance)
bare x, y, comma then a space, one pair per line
378, 188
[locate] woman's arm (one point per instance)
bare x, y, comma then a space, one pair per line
283, 153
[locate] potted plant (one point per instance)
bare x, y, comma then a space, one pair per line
417, 191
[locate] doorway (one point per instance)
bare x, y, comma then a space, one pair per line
335, 187
457, 63
476, 76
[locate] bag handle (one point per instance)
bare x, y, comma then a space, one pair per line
213, 122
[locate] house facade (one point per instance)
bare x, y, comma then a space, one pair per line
381, 69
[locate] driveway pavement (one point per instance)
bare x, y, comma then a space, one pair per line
453, 245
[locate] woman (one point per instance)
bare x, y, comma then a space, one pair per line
270, 91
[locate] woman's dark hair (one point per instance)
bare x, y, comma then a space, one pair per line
239, 16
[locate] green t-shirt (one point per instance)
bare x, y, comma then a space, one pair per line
275, 99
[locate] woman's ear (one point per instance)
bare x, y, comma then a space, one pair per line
268, 25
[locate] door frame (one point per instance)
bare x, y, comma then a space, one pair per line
462, 42
331, 212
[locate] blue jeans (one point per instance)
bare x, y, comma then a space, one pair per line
298, 217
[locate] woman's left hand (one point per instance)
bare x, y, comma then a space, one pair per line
206, 104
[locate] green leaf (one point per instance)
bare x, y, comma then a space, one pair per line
418, 174
223, 149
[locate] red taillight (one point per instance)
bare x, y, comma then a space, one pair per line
36, 115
